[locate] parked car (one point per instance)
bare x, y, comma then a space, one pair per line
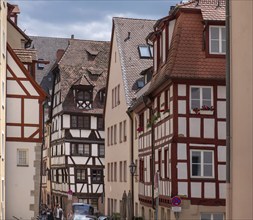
82, 209
104, 218
84, 217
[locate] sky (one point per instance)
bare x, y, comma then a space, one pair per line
86, 19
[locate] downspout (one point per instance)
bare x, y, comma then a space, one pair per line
132, 159
228, 138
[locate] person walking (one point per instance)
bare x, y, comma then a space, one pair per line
58, 212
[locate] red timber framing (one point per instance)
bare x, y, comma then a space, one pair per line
38, 94
192, 143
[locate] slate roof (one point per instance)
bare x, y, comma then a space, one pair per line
130, 33
187, 59
75, 68
46, 49
26, 55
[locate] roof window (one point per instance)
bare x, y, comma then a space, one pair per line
145, 51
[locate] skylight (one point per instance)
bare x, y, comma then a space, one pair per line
145, 51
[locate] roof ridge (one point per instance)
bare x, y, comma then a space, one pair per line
143, 19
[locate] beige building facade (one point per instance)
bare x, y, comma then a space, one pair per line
3, 32
240, 193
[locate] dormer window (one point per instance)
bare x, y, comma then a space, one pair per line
83, 99
145, 51
217, 40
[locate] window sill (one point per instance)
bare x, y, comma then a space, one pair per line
22, 165
203, 112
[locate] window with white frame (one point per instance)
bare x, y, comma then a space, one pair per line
202, 163
22, 157
217, 40
201, 97
212, 216
3, 146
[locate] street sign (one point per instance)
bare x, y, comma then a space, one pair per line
176, 209
176, 201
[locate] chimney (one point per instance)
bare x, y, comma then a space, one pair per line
72, 36
59, 54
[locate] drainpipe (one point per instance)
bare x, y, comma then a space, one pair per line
132, 159
228, 149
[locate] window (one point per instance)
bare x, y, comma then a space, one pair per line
217, 40
3, 146
100, 123
141, 170
115, 171
80, 122
108, 172
108, 136
141, 121
212, 216
120, 132
202, 164
124, 130
83, 98
97, 176
201, 97
80, 149
81, 175
115, 134
166, 163
101, 150
22, 157
125, 171
145, 51
120, 171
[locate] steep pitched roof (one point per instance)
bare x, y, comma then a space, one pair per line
186, 58
76, 66
130, 33
46, 49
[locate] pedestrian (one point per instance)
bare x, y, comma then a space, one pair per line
58, 212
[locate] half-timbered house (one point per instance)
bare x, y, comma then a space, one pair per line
77, 123
129, 56
182, 115
24, 100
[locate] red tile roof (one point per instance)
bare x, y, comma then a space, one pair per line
187, 59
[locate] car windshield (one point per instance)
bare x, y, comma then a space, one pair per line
83, 209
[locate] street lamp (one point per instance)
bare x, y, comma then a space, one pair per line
132, 168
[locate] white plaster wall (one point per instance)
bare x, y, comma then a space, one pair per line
209, 128
14, 88
13, 131
221, 109
222, 188
93, 124
209, 190
181, 107
183, 188
94, 150
181, 152
182, 170
66, 121
182, 126
30, 88
14, 110
15, 67
31, 111
181, 90
222, 172
28, 131
222, 130
222, 153
196, 190
84, 133
21, 181
194, 127
221, 92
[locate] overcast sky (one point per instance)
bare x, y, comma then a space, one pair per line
86, 19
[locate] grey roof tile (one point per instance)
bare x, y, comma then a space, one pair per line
131, 33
